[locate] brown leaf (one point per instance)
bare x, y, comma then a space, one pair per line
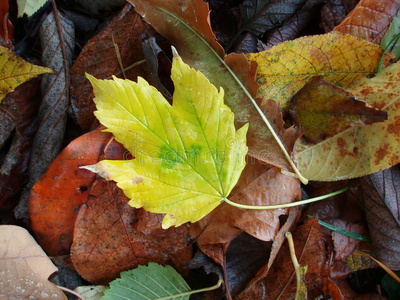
259, 184
20, 108
280, 280
334, 11
25, 268
380, 194
65, 187
370, 19
99, 59
323, 109
110, 236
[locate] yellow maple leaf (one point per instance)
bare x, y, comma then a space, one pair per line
15, 71
188, 157
338, 58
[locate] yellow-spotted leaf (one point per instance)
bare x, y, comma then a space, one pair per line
15, 71
188, 156
338, 58
359, 151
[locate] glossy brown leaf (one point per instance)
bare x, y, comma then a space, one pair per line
25, 268
370, 19
99, 59
323, 110
110, 236
280, 280
380, 193
55, 199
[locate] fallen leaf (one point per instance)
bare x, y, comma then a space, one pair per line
188, 156
25, 268
186, 25
52, 116
6, 27
259, 184
380, 194
29, 7
110, 236
280, 280
17, 114
284, 69
334, 11
323, 110
99, 59
56, 198
262, 15
148, 282
390, 35
370, 19
359, 151
15, 70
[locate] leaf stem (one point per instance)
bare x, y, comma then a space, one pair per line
193, 292
385, 50
265, 207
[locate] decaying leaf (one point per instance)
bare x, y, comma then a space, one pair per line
359, 151
284, 69
110, 237
323, 110
370, 19
25, 268
99, 59
188, 156
186, 25
29, 7
65, 187
15, 70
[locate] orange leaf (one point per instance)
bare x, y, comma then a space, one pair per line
323, 110
55, 199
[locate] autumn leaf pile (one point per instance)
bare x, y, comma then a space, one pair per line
135, 149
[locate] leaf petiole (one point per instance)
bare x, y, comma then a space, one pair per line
262, 207
193, 291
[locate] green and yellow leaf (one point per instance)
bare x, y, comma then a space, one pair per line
29, 7
284, 69
188, 157
15, 71
359, 151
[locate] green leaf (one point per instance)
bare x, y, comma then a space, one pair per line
148, 282
29, 7
188, 156
391, 286
387, 40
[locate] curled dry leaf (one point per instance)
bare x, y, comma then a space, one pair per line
55, 199
25, 268
370, 19
186, 25
110, 236
99, 59
284, 69
323, 110
359, 151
